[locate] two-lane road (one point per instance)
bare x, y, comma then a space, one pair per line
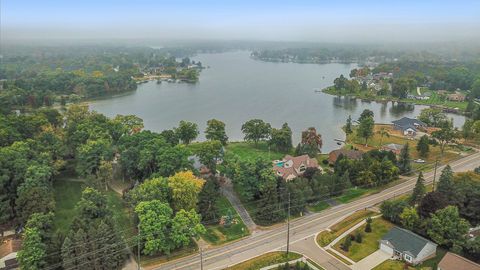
301, 228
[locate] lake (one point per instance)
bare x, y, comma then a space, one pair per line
237, 88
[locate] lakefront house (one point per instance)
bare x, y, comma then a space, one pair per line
409, 126
292, 167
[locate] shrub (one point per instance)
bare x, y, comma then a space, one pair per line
368, 228
358, 237
346, 245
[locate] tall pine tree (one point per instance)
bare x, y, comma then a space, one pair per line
445, 182
404, 160
419, 190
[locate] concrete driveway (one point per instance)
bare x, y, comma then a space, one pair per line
371, 260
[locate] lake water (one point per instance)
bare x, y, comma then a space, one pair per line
237, 88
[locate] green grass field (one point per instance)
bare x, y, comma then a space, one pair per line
318, 207
369, 244
122, 214
264, 260
67, 194
218, 234
248, 151
351, 194
324, 238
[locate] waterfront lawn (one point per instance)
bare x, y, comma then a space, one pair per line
248, 151
67, 194
358, 251
218, 234
326, 237
265, 260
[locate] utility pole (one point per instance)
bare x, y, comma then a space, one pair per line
288, 226
138, 247
201, 258
434, 175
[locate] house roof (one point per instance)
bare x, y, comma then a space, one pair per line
291, 164
453, 261
406, 241
405, 122
351, 154
394, 146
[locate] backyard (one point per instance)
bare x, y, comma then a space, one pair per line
326, 237
218, 234
369, 244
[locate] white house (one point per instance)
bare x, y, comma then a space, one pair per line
405, 245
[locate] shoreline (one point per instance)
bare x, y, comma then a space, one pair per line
383, 99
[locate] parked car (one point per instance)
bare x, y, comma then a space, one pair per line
419, 160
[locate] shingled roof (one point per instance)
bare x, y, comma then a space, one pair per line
406, 122
405, 241
453, 261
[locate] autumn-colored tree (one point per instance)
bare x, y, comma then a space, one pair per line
185, 188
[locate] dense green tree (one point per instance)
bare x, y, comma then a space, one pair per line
207, 201
32, 256
151, 189
130, 123
401, 87
404, 160
185, 187
418, 191
423, 146
410, 218
445, 183
365, 128
155, 218
209, 153
392, 210
365, 114
256, 130
91, 154
348, 126
281, 139
215, 131
185, 226
445, 136
448, 228
170, 136
433, 117
34, 196
187, 131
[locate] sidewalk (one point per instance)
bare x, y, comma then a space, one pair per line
330, 246
227, 191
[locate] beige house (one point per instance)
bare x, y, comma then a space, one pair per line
453, 261
292, 167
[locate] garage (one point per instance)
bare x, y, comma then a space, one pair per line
385, 248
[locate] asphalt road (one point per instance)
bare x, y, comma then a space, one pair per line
301, 229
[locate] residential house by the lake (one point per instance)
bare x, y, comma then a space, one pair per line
409, 126
292, 167
351, 154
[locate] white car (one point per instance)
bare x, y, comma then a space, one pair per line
419, 161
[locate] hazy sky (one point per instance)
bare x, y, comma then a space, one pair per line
332, 20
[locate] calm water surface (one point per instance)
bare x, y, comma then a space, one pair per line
237, 88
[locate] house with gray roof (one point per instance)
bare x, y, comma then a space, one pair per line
408, 126
405, 245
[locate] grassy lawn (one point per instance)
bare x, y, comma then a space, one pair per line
318, 207
67, 194
369, 244
122, 214
218, 234
352, 194
392, 265
264, 260
247, 150
324, 238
